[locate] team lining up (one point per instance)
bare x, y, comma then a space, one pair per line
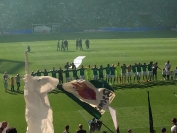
113, 73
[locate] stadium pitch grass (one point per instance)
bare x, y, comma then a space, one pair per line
131, 100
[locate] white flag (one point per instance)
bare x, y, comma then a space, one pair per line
38, 113
85, 91
114, 117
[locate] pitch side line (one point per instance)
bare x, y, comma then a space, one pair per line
80, 111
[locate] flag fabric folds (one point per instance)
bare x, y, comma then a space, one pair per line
151, 127
94, 96
114, 118
38, 112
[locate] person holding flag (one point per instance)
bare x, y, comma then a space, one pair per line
174, 127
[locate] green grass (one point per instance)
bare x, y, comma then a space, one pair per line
131, 100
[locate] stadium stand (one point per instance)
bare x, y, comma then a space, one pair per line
21, 14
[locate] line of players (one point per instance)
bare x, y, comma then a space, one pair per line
114, 73
64, 45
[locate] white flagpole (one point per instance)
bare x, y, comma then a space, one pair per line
26, 63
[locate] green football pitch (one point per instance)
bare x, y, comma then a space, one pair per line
131, 99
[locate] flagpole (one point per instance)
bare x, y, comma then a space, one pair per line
26, 63
108, 128
151, 127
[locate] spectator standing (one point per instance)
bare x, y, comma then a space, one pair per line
3, 126
129, 131
163, 130
174, 127
66, 129
81, 130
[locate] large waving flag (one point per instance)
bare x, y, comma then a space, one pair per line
94, 96
38, 113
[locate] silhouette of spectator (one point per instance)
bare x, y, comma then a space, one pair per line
11, 130
163, 130
66, 129
3, 126
174, 127
80, 129
129, 131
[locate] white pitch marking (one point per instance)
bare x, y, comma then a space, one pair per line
82, 115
